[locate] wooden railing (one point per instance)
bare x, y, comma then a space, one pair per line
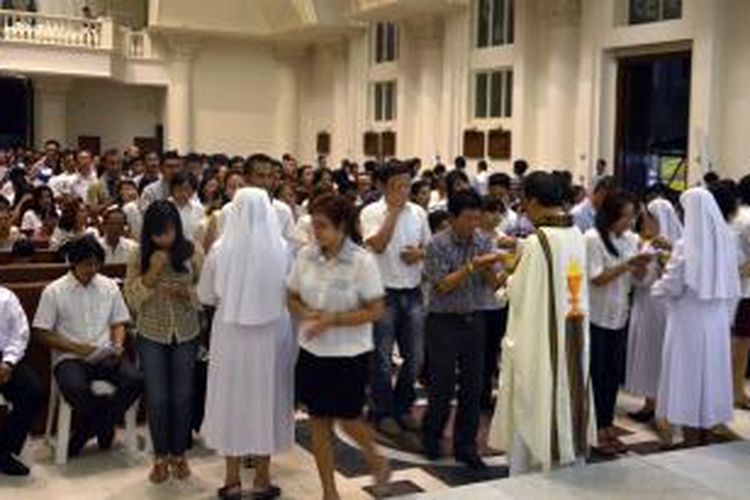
31, 27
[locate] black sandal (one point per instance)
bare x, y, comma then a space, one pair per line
231, 492
269, 493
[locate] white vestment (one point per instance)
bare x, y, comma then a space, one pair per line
524, 415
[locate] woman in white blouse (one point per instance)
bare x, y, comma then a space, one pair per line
613, 259
336, 294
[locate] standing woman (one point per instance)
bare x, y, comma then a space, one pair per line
659, 228
702, 285
612, 254
336, 294
160, 288
250, 395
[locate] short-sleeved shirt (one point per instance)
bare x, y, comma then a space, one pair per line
81, 313
412, 229
446, 254
741, 225
584, 215
337, 285
14, 328
157, 190
610, 304
121, 253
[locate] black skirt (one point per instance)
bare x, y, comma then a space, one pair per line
742, 320
332, 387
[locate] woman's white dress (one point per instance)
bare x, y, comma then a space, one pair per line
250, 392
695, 386
648, 323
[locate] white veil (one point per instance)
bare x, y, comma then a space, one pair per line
251, 261
711, 268
669, 222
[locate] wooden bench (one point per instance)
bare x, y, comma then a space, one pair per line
39, 272
41, 256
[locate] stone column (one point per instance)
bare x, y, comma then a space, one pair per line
179, 105
50, 109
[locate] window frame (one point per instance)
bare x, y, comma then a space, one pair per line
385, 42
660, 17
384, 98
492, 106
484, 30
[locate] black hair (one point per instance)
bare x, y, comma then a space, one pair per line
158, 217
171, 155
183, 177
710, 178
547, 189
319, 173
23, 248
499, 179
340, 211
520, 167
114, 209
607, 183
609, 213
492, 204
462, 201
36, 204
254, 161
436, 219
439, 170
453, 178
743, 190
84, 248
193, 158
51, 142
417, 186
482, 166
394, 168
725, 194
460, 162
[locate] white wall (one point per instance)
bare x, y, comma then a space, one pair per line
116, 113
238, 88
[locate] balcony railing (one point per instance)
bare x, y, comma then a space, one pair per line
31, 27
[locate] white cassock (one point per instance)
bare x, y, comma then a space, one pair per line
250, 394
701, 286
648, 317
523, 421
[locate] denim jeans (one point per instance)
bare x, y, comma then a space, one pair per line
403, 324
168, 376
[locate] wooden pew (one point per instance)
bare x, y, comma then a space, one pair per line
31, 273
41, 256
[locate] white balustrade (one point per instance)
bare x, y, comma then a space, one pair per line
31, 27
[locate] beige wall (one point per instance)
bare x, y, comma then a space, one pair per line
116, 113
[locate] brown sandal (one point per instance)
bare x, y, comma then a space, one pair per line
159, 471
180, 468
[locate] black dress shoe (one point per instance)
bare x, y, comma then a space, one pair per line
233, 492
10, 466
642, 416
105, 438
268, 494
431, 450
471, 460
76, 444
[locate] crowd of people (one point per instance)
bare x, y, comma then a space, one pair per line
342, 291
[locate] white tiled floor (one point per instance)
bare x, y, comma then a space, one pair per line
716, 472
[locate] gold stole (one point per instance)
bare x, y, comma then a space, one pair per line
574, 337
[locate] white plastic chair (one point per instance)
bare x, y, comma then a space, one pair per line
64, 418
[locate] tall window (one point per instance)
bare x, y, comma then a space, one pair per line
493, 94
494, 23
384, 101
385, 42
650, 11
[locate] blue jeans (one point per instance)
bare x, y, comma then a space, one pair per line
402, 323
168, 377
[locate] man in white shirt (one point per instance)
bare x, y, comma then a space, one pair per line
18, 384
159, 190
480, 183
82, 318
397, 232
584, 214
117, 248
192, 213
500, 187
259, 172
86, 176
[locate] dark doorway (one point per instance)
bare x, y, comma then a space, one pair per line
16, 112
653, 109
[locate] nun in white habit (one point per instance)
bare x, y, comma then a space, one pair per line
660, 229
250, 395
701, 285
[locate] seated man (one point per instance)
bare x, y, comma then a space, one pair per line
18, 383
117, 248
82, 318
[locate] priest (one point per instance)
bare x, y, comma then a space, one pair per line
544, 416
